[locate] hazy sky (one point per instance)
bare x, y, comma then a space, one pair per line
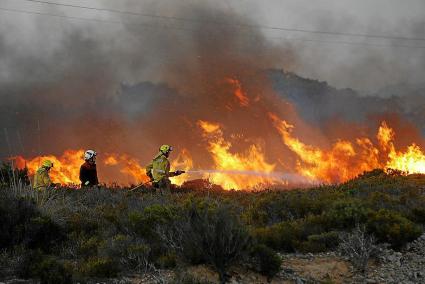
368, 67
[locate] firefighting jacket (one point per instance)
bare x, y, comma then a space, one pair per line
159, 168
41, 179
88, 174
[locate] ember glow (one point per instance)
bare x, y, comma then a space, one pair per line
239, 93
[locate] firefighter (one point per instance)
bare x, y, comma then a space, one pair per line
42, 179
159, 170
88, 170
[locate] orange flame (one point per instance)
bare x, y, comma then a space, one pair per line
66, 168
128, 166
345, 160
410, 162
239, 93
252, 160
182, 162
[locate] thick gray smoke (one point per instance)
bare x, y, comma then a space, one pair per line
70, 83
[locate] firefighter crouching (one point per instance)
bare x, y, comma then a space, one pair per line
88, 170
42, 179
159, 170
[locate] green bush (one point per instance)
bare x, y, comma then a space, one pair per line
22, 223
50, 271
167, 261
186, 278
282, 236
319, 243
418, 215
266, 261
211, 231
144, 222
391, 227
15, 215
99, 267
46, 268
344, 214
41, 232
82, 223
89, 247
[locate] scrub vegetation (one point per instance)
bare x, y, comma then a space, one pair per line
67, 235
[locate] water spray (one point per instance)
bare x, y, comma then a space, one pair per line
290, 177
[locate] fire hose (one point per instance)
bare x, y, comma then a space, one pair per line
178, 172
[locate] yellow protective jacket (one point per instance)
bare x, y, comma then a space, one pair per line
42, 179
159, 168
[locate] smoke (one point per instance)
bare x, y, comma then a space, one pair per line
131, 87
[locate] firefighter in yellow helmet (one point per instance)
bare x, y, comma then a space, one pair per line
159, 169
42, 179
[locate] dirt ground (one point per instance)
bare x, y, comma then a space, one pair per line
295, 269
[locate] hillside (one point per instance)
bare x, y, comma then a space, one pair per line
319, 102
67, 235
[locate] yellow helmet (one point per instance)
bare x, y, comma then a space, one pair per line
165, 148
47, 164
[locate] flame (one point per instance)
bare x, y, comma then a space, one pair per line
128, 166
182, 162
111, 161
410, 162
66, 168
239, 93
340, 161
345, 160
252, 160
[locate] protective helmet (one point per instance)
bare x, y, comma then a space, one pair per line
89, 154
165, 148
47, 164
